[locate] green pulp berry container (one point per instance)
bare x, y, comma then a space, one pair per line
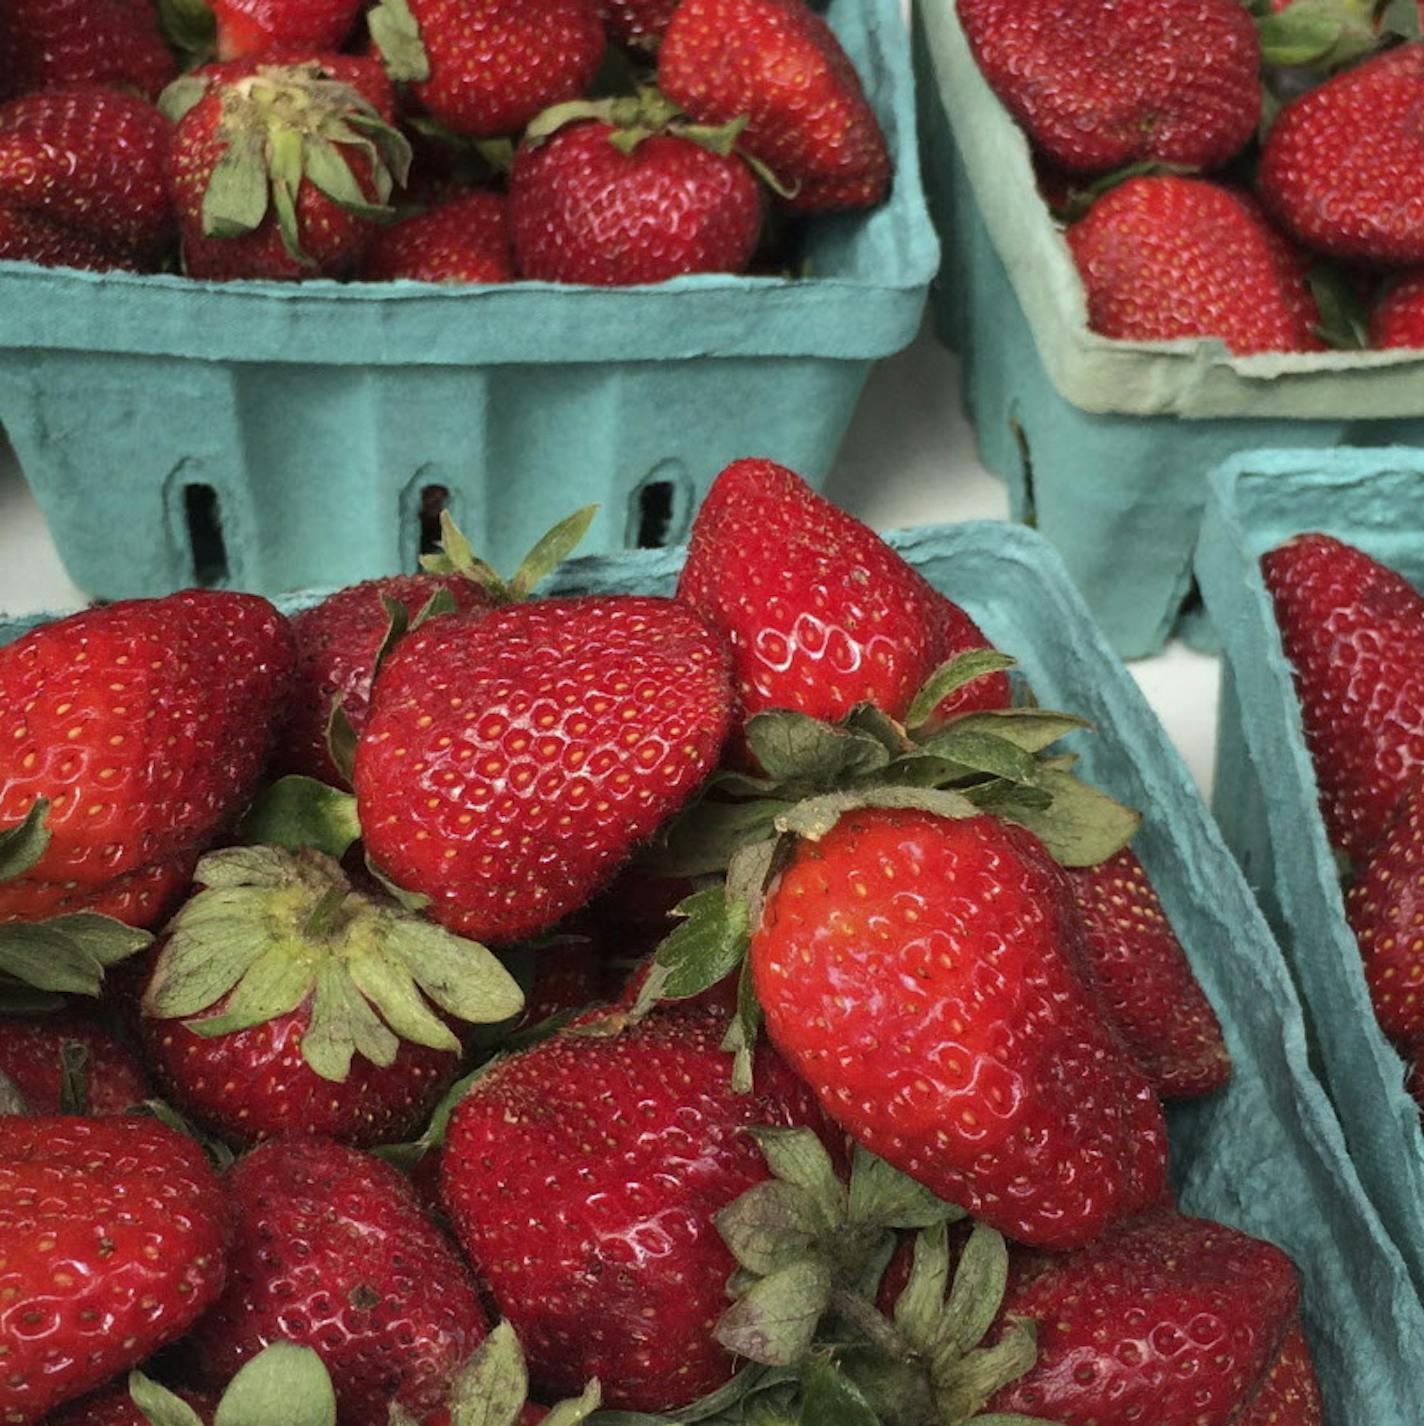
1266, 1154
1373, 499
1105, 445
273, 436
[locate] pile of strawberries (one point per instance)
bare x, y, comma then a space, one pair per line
470, 141
1353, 631
452, 1005
1251, 171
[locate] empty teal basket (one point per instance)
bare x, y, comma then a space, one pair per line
274, 437
1266, 1154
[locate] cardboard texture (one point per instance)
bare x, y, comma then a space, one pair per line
277, 436
1373, 499
1104, 444
1266, 1154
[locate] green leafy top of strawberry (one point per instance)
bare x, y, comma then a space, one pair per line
283, 1385
1329, 34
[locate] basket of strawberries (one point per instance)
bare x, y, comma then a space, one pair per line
771, 993
1171, 238
353, 266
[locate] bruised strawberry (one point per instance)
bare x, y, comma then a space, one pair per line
48, 43
32, 1055
461, 239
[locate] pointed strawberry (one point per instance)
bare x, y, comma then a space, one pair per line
48, 43
461, 239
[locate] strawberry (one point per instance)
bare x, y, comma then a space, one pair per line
114, 1406
135, 734
47, 43
145, 897
1163, 258
820, 612
282, 166
568, 977
1145, 981
1342, 169
582, 1177
485, 68
332, 1252
1290, 1395
1398, 317
337, 644
989, 1075
282, 1000
1385, 910
90, 160
609, 205
27, 237
32, 1055
115, 1234
462, 239
780, 66
252, 27
512, 761
1353, 632
1098, 87
639, 24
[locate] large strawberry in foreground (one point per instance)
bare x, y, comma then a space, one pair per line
115, 1239
512, 761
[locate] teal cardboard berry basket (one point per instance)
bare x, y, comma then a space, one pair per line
1266, 1154
1105, 445
271, 436
1373, 499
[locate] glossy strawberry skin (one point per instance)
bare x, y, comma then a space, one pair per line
583, 211
820, 612
1398, 317
251, 27
512, 761
253, 1085
27, 237
1145, 980
115, 1234
337, 643
1171, 1320
923, 975
1353, 632
1164, 258
778, 63
1098, 87
1290, 1395
30, 1054
640, 24
145, 897
48, 43
463, 239
90, 159
495, 64
333, 1252
582, 1177
145, 723
114, 1406
1342, 168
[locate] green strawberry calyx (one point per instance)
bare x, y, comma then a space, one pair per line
22, 845
283, 1385
274, 930
395, 32
283, 126
1328, 34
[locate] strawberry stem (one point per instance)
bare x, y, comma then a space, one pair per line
878, 1330
324, 912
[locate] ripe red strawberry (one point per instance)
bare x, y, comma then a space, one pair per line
511, 762
462, 239
1353, 632
251, 27
1145, 981
1398, 316
988, 1075
582, 1177
332, 1252
145, 897
281, 167
27, 237
115, 1234
780, 65
114, 1406
485, 68
1163, 258
1290, 1395
640, 24
1343, 165
337, 643
145, 725
1171, 1320
31, 1051
46, 43
820, 612
331, 1013
90, 160
568, 977
1098, 87
585, 210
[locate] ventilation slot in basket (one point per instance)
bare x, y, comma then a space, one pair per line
434, 499
654, 515
205, 535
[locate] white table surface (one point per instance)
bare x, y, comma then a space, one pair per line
909, 460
